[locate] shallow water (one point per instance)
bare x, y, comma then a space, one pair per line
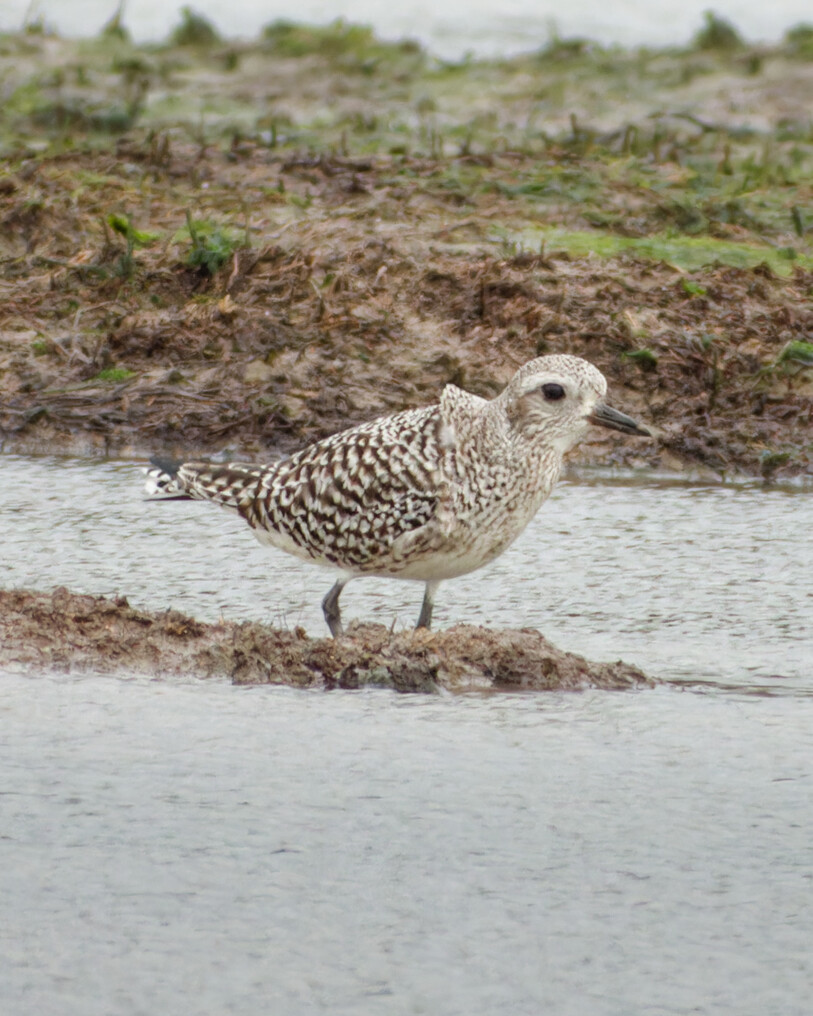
689, 582
191, 847
202, 849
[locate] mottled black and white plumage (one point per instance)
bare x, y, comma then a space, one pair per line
427, 494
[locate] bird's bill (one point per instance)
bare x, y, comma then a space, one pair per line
606, 416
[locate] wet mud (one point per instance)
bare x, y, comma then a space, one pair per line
69, 632
283, 239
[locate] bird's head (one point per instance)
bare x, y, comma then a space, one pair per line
554, 398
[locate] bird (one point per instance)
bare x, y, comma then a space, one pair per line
424, 494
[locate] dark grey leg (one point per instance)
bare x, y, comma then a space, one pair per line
425, 620
331, 610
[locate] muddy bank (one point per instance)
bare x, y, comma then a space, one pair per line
324, 327
70, 632
275, 244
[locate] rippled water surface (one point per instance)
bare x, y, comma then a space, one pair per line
190, 847
708, 583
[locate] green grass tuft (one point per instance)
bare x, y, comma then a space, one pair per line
122, 225
717, 34
646, 359
353, 46
114, 374
135, 238
194, 30
692, 288
797, 352
800, 40
212, 245
114, 28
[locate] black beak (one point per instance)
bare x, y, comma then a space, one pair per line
606, 416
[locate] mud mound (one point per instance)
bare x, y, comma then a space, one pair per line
71, 632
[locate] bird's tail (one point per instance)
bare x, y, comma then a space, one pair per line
232, 485
162, 483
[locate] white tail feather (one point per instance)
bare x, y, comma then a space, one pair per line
159, 485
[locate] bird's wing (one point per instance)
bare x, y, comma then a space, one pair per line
348, 498
344, 500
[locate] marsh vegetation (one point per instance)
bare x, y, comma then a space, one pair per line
208, 244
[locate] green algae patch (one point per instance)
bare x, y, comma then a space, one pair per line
688, 253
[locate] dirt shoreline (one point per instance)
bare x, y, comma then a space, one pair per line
69, 632
275, 245
289, 343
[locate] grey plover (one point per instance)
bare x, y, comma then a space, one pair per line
426, 494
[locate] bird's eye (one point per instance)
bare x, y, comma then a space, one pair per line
553, 392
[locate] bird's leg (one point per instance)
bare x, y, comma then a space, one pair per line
425, 619
331, 609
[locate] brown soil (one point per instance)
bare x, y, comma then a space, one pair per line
360, 210
69, 632
371, 310
242, 249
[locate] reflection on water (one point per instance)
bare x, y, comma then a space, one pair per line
191, 847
